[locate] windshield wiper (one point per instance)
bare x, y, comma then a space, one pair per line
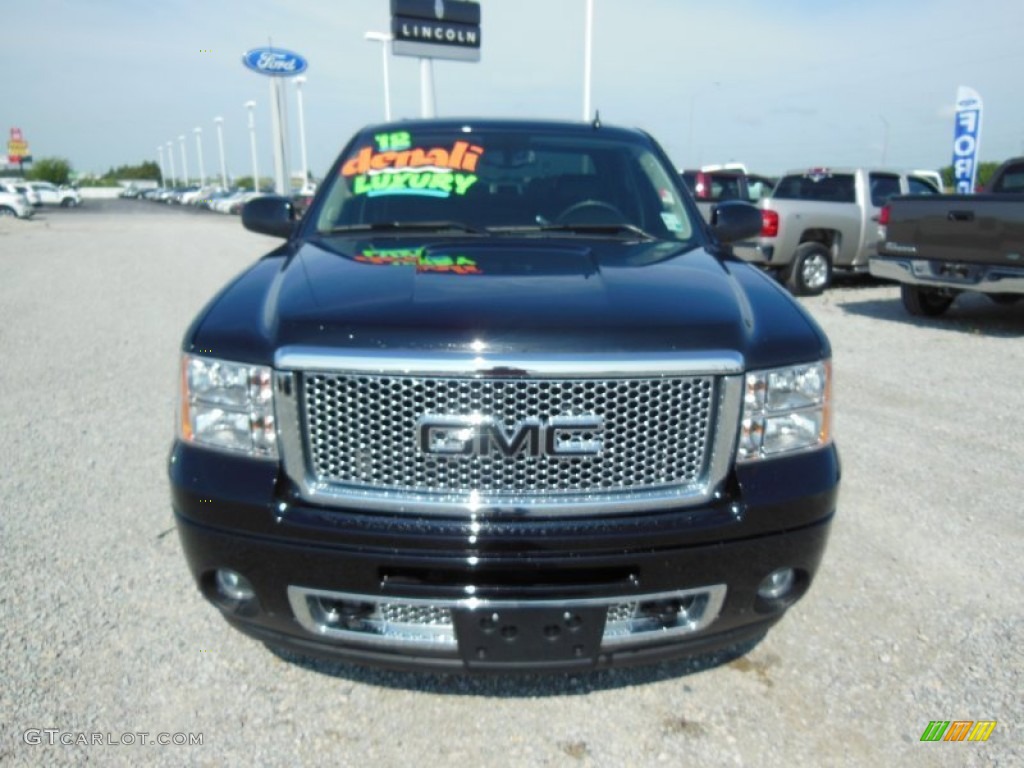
583, 229
421, 226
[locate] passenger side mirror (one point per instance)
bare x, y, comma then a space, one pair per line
735, 220
271, 215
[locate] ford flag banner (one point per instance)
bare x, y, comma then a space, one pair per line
966, 138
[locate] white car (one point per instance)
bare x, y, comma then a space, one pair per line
14, 205
20, 188
50, 194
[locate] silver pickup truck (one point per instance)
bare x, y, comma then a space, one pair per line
822, 219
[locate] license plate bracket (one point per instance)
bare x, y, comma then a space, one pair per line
489, 636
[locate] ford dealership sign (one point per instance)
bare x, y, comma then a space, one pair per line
276, 62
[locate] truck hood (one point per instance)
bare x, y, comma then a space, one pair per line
516, 295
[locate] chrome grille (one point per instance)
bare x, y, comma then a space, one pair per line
360, 433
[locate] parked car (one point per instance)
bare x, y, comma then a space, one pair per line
21, 188
209, 200
711, 184
823, 219
178, 195
938, 247
14, 204
236, 205
199, 196
509, 406
51, 194
223, 203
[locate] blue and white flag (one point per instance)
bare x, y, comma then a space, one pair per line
966, 139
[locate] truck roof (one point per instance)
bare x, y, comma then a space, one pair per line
830, 169
513, 124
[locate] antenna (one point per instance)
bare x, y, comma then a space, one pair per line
597, 119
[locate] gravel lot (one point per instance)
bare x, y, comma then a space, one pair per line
916, 614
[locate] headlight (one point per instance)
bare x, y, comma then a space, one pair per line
227, 405
786, 409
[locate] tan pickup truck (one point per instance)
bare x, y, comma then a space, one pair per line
822, 219
939, 247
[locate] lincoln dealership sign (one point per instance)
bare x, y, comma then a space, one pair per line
276, 62
436, 29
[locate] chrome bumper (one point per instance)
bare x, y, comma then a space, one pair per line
952, 275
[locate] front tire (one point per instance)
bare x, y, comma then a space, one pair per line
7, 211
925, 302
811, 270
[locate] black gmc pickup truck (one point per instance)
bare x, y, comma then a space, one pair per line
503, 401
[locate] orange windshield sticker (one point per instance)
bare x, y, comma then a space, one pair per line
398, 168
398, 257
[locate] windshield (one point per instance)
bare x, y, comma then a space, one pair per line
497, 180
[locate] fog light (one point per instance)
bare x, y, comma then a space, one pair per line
777, 583
667, 613
233, 585
345, 614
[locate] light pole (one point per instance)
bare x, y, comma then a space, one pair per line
384, 38
428, 105
160, 152
220, 145
199, 153
588, 52
170, 160
299, 81
251, 105
184, 158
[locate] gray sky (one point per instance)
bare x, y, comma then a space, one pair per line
776, 85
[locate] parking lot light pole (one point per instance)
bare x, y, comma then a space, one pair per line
184, 159
588, 54
428, 104
251, 105
199, 153
160, 153
220, 145
384, 38
299, 81
170, 159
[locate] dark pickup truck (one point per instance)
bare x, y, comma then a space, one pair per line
502, 400
939, 246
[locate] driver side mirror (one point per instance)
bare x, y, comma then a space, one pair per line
735, 220
270, 215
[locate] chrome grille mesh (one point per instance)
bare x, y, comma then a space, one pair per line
620, 612
413, 613
360, 432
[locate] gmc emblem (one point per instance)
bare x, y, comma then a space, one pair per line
467, 436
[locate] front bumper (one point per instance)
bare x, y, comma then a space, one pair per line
308, 565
